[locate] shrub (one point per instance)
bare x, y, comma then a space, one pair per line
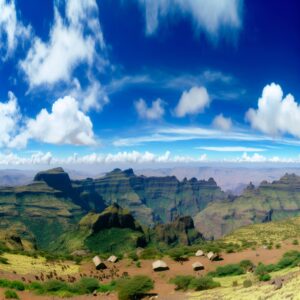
150, 253
87, 285
138, 264
246, 264
264, 277
17, 285
234, 283
177, 254
262, 269
9, 294
55, 285
289, 259
182, 282
295, 242
247, 283
133, 256
107, 287
131, 288
228, 270
278, 246
203, 283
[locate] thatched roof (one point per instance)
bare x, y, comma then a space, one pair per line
159, 265
199, 253
112, 259
99, 264
197, 266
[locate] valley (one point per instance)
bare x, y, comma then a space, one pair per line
53, 227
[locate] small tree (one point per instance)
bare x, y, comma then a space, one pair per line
177, 254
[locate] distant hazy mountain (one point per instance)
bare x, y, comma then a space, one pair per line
233, 179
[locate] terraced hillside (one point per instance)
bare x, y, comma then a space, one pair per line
269, 201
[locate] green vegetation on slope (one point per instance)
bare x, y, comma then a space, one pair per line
270, 201
266, 233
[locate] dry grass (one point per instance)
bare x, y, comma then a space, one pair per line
258, 291
23, 265
266, 233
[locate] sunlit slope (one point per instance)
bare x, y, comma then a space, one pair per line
270, 201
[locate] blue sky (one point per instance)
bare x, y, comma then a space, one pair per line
149, 82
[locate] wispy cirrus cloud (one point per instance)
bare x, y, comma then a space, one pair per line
176, 134
12, 30
231, 149
212, 17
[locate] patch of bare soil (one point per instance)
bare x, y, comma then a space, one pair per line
163, 288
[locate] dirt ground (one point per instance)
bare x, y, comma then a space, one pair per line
163, 288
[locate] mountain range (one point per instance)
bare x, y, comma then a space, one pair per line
55, 212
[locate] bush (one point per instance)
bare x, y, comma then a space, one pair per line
110, 287
15, 284
87, 285
150, 253
177, 254
133, 256
246, 264
234, 283
203, 283
182, 282
228, 270
138, 264
289, 259
262, 269
278, 246
131, 288
247, 283
9, 294
264, 277
55, 286
295, 242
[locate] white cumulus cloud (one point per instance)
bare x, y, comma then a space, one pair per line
276, 114
192, 102
222, 123
72, 41
209, 16
65, 124
154, 112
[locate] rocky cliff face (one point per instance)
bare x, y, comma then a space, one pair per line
180, 231
53, 203
269, 201
43, 211
113, 230
156, 199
